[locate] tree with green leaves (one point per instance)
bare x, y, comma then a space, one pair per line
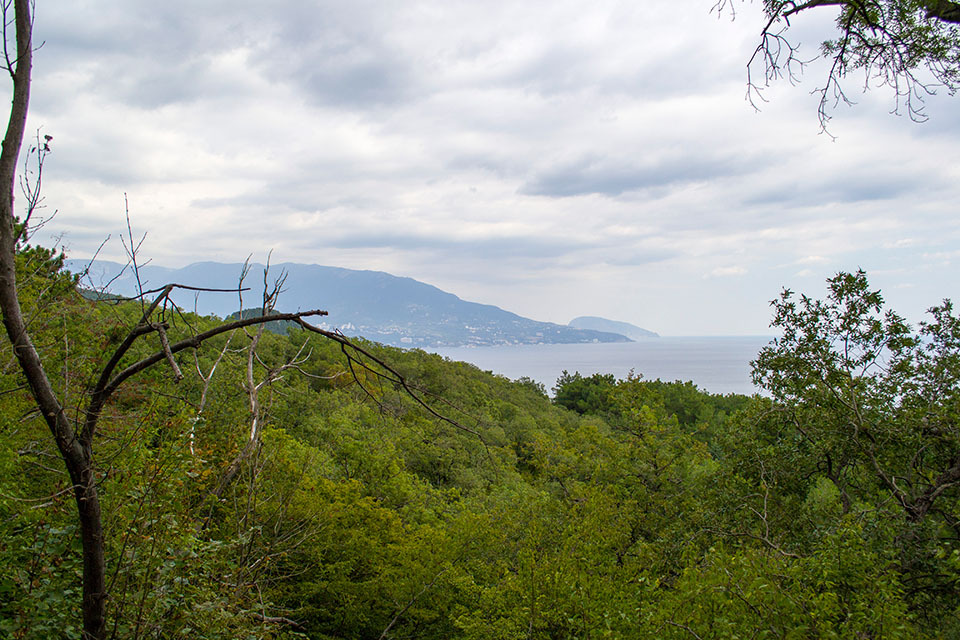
910, 46
872, 395
861, 435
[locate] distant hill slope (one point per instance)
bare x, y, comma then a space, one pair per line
373, 304
613, 326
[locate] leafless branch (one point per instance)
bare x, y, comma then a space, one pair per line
351, 350
205, 390
133, 248
31, 188
293, 624
161, 330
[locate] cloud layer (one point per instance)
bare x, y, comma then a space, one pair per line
554, 159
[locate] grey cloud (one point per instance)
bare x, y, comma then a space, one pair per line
806, 191
338, 55
152, 55
134, 37
490, 247
169, 83
373, 79
629, 257
302, 194
556, 70
527, 250
402, 106
593, 175
111, 162
499, 162
564, 69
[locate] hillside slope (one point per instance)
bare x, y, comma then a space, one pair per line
373, 304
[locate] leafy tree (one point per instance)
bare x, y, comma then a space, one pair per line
589, 394
868, 393
896, 43
860, 437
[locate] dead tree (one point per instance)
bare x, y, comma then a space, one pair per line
76, 436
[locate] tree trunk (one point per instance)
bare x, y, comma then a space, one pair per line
94, 563
76, 456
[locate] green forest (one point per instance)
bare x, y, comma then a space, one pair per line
167, 475
290, 486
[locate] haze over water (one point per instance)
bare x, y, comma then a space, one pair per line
715, 364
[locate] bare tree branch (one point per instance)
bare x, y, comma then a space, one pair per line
388, 373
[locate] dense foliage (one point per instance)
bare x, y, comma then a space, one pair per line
619, 509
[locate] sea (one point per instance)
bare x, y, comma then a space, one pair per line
716, 364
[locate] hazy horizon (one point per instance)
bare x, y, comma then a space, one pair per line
96, 283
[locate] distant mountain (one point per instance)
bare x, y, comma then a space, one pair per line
594, 323
378, 306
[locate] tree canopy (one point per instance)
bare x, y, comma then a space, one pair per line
911, 47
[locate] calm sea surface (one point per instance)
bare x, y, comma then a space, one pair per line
715, 364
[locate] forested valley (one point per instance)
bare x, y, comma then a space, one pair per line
166, 475
282, 489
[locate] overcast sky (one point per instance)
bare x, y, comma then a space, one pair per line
553, 158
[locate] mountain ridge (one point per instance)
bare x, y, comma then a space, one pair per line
597, 323
394, 310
